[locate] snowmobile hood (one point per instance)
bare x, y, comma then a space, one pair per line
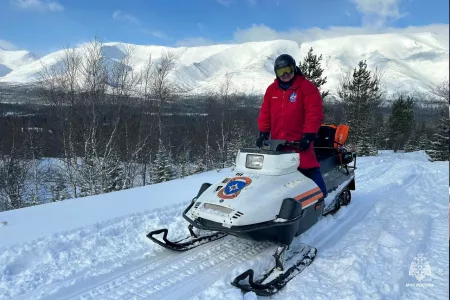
247, 199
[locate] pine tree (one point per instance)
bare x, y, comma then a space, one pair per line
115, 180
364, 146
162, 168
440, 144
380, 129
423, 142
313, 71
421, 138
401, 121
361, 95
199, 166
184, 164
59, 189
410, 145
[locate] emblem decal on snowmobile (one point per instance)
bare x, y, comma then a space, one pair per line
234, 187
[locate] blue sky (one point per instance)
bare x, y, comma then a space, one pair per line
43, 26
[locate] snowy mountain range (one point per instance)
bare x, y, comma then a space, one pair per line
413, 61
14, 59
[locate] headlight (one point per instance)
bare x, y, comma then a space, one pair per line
254, 161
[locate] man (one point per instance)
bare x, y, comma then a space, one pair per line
292, 110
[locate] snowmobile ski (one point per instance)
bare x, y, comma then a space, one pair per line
185, 244
275, 278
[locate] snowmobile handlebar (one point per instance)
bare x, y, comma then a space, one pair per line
274, 145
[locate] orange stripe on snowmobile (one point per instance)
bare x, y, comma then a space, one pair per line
312, 200
305, 194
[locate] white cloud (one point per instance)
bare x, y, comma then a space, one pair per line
158, 34
195, 41
379, 12
38, 5
155, 33
264, 33
225, 2
7, 45
258, 33
121, 16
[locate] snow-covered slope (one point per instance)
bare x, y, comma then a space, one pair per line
13, 59
411, 61
95, 247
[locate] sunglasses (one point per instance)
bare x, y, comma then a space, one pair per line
281, 71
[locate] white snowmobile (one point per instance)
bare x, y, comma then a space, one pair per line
268, 199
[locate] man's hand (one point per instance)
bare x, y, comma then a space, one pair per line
306, 141
262, 137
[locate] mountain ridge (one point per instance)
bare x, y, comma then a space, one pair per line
410, 61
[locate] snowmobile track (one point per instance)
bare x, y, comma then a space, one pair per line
168, 274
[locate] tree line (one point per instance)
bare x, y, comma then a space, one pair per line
104, 127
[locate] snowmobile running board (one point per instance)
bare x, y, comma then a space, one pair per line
185, 244
276, 284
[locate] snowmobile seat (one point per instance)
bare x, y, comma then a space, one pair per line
328, 163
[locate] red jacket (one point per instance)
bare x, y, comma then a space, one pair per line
288, 114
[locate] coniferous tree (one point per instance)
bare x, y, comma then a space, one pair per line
361, 95
162, 168
440, 144
364, 145
401, 121
115, 179
59, 189
199, 166
410, 145
184, 164
423, 142
311, 68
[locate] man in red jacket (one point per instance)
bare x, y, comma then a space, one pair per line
292, 110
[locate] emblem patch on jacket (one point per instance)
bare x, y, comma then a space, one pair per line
293, 97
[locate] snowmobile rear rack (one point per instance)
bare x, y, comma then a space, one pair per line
185, 244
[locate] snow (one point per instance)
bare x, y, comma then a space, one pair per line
11, 59
413, 61
95, 247
71, 214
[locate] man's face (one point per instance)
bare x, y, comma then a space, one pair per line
286, 77
285, 73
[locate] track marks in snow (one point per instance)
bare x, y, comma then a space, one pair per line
364, 251
371, 260
176, 276
42, 267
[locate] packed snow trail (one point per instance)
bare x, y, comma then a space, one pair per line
398, 211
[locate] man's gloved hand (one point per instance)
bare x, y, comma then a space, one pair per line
306, 141
262, 136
